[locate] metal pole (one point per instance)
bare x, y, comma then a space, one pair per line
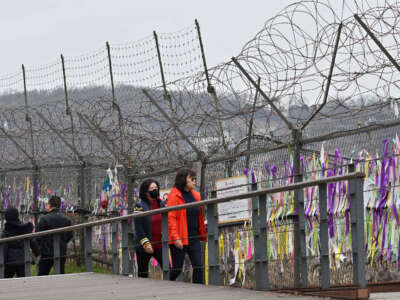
166, 95
165, 246
2, 253
199, 153
88, 249
115, 254
67, 108
323, 237
270, 102
57, 253
210, 88
203, 169
27, 116
27, 257
377, 42
259, 222
100, 136
60, 136
300, 254
114, 101
36, 191
357, 229
82, 184
131, 192
111, 72
328, 82
125, 248
131, 203
250, 132
213, 251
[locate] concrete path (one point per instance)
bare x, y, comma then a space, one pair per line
98, 287
385, 296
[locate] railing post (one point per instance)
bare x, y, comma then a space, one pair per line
27, 257
88, 249
303, 250
212, 238
2, 253
114, 246
165, 246
357, 229
259, 220
56, 257
125, 248
323, 237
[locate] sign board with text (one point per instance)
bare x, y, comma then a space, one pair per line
235, 210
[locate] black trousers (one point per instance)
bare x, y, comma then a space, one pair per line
143, 259
46, 263
178, 256
10, 271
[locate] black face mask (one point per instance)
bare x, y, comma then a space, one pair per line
154, 194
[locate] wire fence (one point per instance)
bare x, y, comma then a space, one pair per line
298, 100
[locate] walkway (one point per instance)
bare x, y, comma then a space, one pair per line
98, 287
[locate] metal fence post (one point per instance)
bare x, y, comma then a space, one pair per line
88, 249
36, 191
125, 248
357, 229
165, 246
166, 95
259, 220
212, 237
130, 179
303, 250
2, 253
57, 254
115, 256
27, 257
323, 237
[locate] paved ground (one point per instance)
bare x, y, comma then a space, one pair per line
385, 296
99, 287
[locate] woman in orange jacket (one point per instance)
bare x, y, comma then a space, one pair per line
186, 226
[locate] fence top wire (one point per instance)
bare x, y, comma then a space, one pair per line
218, 109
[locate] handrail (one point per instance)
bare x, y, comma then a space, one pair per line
246, 195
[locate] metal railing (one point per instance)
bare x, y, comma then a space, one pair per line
259, 227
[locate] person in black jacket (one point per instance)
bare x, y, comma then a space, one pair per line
53, 219
148, 229
14, 251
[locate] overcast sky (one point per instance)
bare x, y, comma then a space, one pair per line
37, 32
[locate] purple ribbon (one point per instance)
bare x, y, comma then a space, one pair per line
253, 177
62, 207
5, 199
267, 168
246, 172
18, 198
273, 171
384, 233
331, 196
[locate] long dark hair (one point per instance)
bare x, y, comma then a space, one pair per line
180, 178
144, 187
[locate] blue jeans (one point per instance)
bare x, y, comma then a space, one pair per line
178, 256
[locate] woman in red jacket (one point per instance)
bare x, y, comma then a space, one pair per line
186, 226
